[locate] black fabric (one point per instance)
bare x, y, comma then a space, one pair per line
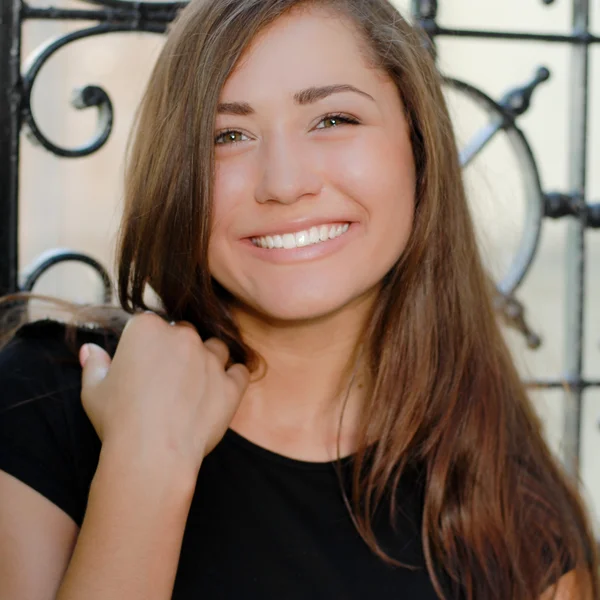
46, 439
261, 525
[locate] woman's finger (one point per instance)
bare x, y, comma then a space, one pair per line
219, 349
182, 324
240, 375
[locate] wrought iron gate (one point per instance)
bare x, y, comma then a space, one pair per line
574, 204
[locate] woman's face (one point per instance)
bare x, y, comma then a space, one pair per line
315, 179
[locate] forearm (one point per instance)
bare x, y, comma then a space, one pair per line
130, 540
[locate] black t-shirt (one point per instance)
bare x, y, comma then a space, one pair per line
261, 525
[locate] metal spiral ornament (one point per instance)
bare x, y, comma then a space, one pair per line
51, 258
89, 96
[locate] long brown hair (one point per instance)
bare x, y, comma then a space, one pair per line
500, 519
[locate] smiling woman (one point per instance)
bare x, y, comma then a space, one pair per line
332, 411
322, 142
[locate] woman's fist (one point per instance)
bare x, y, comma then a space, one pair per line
166, 394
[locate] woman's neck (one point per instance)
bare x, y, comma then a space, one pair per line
313, 370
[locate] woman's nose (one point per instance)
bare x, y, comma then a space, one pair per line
289, 171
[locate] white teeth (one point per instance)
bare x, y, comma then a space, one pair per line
289, 241
303, 238
314, 235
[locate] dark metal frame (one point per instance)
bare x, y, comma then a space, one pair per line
125, 16
573, 203
16, 114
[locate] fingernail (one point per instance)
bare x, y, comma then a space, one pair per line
84, 354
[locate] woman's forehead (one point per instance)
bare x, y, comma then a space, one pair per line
301, 49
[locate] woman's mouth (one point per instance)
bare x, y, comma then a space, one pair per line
299, 239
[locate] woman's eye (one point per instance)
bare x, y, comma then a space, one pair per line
230, 137
335, 121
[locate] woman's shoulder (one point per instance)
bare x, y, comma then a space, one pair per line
46, 352
46, 438
37, 337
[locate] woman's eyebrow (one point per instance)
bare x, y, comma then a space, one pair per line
303, 97
314, 94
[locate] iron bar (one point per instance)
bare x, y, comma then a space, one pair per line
577, 39
10, 126
150, 6
566, 384
129, 15
559, 205
575, 242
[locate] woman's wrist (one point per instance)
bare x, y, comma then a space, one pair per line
151, 471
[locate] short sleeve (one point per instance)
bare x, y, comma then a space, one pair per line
46, 439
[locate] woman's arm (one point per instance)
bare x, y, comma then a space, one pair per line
36, 542
128, 546
130, 540
158, 408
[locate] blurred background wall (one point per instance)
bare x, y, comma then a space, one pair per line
77, 203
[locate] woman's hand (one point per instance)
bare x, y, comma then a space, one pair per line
166, 394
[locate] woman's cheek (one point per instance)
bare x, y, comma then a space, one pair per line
231, 186
370, 166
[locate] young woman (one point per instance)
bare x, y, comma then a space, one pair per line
324, 407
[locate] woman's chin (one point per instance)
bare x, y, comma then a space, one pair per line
294, 311
303, 308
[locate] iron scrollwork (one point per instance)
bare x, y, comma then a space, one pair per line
113, 16
122, 16
86, 97
49, 259
574, 204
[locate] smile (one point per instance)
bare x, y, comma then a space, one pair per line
299, 239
